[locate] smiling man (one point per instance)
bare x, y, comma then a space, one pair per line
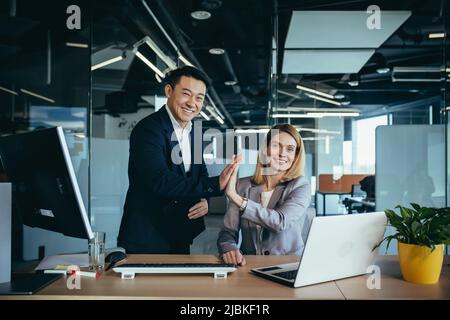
165, 203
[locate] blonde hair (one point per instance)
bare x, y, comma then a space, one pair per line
298, 165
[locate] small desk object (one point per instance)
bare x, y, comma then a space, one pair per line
27, 283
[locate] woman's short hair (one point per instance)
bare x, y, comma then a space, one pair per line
298, 165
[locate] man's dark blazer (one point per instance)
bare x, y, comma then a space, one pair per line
160, 193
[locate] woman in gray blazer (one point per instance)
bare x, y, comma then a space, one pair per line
269, 208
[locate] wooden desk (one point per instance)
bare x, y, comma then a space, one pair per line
393, 286
241, 284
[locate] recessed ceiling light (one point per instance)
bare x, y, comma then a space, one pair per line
339, 96
383, 70
216, 51
201, 15
77, 45
345, 103
353, 81
245, 111
9, 91
247, 121
107, 62
37, 95
314, 91
312, 96
436, 35
204, 115
230, 83
334, 114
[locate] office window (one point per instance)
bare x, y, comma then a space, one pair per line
347, 155
364, 137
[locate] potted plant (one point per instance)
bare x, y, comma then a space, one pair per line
421, 233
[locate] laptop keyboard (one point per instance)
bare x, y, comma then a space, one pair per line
289, 275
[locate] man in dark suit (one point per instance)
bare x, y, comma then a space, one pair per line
165, 203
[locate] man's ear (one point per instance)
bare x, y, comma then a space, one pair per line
168, 90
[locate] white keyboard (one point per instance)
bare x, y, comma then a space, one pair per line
129, 270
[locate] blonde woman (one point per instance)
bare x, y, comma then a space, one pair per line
268, 208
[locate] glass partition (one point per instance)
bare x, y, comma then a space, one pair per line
348, 68
45, 82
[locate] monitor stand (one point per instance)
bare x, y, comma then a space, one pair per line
27, 283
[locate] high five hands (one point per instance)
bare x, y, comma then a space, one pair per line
229, 171
228, 175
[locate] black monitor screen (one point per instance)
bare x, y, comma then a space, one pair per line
45, 189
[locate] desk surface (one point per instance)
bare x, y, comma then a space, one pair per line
241, 284
392, 285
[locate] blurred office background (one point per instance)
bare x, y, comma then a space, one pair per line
368, 91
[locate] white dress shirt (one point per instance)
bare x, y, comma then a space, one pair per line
183, 136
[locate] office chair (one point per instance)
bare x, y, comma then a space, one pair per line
357, 191
351, 205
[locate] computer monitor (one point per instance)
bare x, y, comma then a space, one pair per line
45, 188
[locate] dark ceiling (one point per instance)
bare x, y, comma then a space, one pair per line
409, 46
244, 29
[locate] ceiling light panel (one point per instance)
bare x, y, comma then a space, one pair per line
340, 29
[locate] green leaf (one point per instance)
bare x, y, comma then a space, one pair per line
419, 225
389, 239
428, 213
405, 213
416, 207
415, 228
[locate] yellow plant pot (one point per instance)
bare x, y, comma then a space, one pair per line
418, 264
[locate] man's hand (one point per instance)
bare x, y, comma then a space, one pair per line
198, 210
234, 257
228, 171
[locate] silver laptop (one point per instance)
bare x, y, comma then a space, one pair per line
337, 247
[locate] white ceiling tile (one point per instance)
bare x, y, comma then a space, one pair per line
341, 29
325, 61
